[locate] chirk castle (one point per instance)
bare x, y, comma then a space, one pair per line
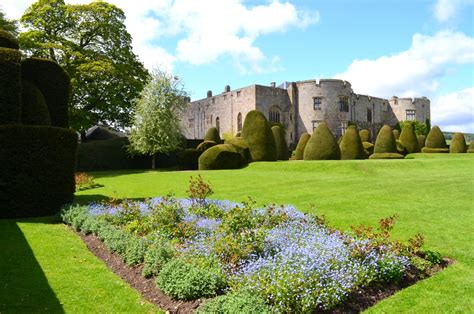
300, 107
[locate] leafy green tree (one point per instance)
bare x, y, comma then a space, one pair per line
420, 127
92, 44
7, 24
156, 122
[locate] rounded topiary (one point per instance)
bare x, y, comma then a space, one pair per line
7, 40
396, 134
408, 139
205, 145
188, 159
34, 110
385, 145
54, 83
241, 147
368, 148
421, 141
259, 137
322, 145
213, 135
299, 152
351, 145
471, 147
401, 149
365, 136
458, 144
10, 86
435, 142
223, 156
280, 142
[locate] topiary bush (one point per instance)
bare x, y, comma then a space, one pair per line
223, 156
37, 167
205, 145
435, 142
299, 151
213, 135
368, 148
351, 145
188, 159
243, 302
365, 136
385, 145
396, 134
471, 147
458, 144
283, 153
241, 146
10, 86
55, 89
322, 145
401, 149
259, 137
34, 110
421, 141
409, 140
7, 40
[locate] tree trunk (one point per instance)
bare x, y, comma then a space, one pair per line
153, 161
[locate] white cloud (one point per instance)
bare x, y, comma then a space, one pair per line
412, 72
207, 29
454, 112
445, 10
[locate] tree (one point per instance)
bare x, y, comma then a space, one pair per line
156, 122
8, 25
92, 44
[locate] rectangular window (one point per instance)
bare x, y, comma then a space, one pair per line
315, 124
369, 115
344, 104
317, 103
191, 123
238, 93
410, 115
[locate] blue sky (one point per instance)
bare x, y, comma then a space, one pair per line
383, 47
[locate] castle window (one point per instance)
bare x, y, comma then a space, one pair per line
218, 125
369, 115
191, 123
274, 114
317, 103
213, 100
238, 93
343, 127
315, 124
410, 114
239, 122
344, 104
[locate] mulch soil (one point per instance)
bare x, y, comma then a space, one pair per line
356, 302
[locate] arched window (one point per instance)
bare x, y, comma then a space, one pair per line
274, 114
218, 126
239, 122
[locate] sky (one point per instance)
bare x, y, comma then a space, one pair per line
407, 48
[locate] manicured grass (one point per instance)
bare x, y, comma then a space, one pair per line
433, 196
46, 268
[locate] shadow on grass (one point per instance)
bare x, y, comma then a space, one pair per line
23, 285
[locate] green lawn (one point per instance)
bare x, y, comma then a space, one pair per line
434, 196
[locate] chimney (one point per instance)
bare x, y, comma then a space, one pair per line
227, 89
209, 93
272, 84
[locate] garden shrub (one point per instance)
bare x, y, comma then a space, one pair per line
37, 167
188, 159
183, 280
55, 89
299, 152
34, 110
458, 144
365, 136
259, 137
241, 146
435, 142
396, 134
115, 239
283, 153
351, 145
471, 147
368, 148
135, 251
157, 255
322, 145
223, 156
213, 135
385, 145
205, 145
10, 86
421, 141
408, 139
243, 301
8, 40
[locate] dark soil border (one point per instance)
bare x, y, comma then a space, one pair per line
356, 302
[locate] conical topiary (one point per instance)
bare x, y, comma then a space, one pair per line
322, 145
351, 145
421, 141
299, 151
458, 144
365, 136
435, 142
280, 142
213, 135
471, 147
409, 140
259, 137
396, 134
385, 145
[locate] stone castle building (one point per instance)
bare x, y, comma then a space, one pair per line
300, 107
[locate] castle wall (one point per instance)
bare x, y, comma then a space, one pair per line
369, 112
401, 105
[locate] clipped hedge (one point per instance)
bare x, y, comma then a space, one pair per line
299, 152
259, 137
409, 140
10, 86
34, 110
283, 153
7, 40
56, 88
322, 145
365, 136
37, 167
223, 156
435, 142
351, 145
385, 145
205, 146
213, 135
458, 144
188, 159
421, 141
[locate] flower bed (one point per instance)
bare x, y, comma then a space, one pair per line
273, 258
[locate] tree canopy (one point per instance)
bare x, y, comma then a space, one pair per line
7, 24
91, 42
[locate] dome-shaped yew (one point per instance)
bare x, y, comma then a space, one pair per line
471, 147
280, 142
259, 137
458, 144
396, 134
301, 146
421, 140
351, 145
435, 142
322, 145
409, 140
365, 136
223, 156
213, 135
385, 145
